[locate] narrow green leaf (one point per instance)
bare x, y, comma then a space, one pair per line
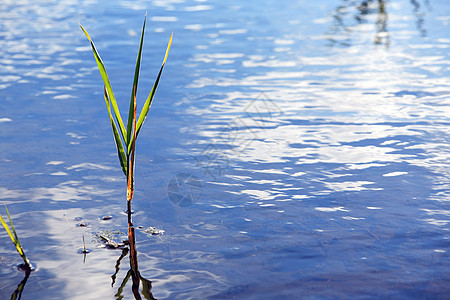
167, 50
16, 238
135, 85
11, 236
149, 100
108, 87
119, 146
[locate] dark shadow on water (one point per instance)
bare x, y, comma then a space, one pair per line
361, 11
133, 272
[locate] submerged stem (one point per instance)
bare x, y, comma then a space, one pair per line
133, 256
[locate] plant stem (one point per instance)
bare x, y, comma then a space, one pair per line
130, 194
130, 159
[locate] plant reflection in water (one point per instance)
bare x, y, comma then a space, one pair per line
341, 30
133, 272
18, 292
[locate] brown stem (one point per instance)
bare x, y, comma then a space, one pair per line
135, 276
133, 252
130, 193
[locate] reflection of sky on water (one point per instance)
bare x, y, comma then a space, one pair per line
319, 131
359, 149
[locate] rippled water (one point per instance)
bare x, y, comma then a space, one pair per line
294, 150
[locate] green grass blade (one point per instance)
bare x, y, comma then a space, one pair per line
135, 85
119, 146
105, 78
14, 237
11, 236
149, 100
12, 227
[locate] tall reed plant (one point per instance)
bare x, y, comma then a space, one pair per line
15, 239
125, 137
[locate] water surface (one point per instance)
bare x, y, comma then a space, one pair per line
294, 150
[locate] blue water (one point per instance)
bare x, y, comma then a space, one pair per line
295, 150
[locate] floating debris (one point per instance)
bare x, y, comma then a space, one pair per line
109, 239
152, 231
